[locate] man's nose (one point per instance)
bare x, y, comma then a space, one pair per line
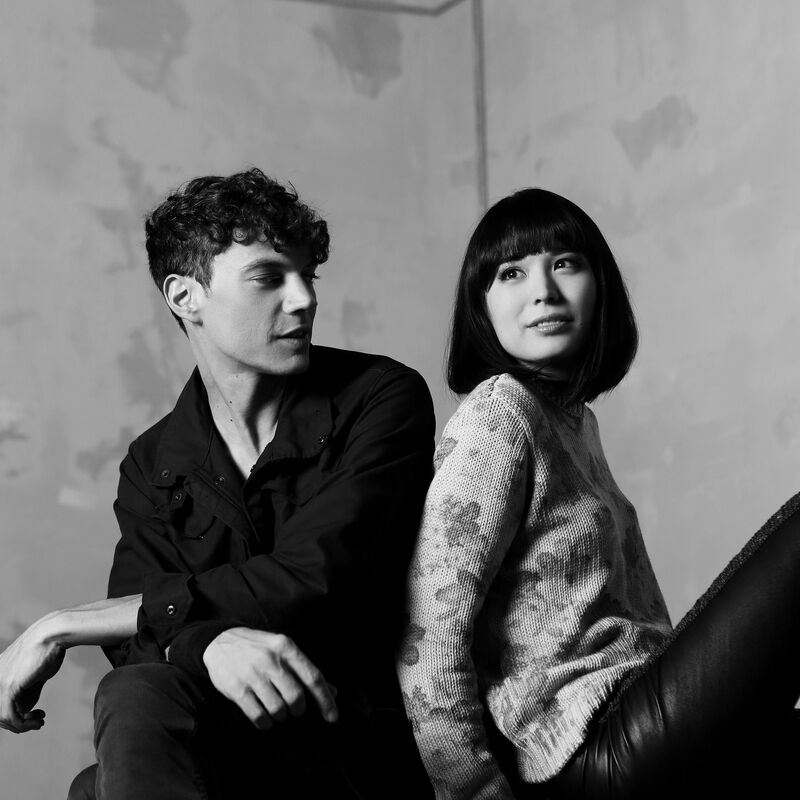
299, 295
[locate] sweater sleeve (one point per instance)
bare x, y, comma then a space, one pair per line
474, 509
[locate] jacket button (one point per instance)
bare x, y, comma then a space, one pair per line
178, 496
324, 438
165, 473
219, 480
170, 610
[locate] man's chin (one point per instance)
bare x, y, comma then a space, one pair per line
289, 366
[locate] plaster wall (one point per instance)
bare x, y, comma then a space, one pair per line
673, 124
105, 105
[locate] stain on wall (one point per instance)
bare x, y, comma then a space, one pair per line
52, 153
668, 124
357, 322
144, 378
106, 453
673, 125
15, 318
787, 424
12, 434
105, 106
145, 37
627, 106
367, 46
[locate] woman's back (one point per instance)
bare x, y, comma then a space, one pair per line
527, 541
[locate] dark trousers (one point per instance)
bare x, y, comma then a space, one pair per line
712, 715
159, 733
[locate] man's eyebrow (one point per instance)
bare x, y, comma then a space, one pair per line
274, 261
263, 261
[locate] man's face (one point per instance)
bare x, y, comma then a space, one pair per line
258, 311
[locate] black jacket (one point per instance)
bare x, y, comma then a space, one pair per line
315, 543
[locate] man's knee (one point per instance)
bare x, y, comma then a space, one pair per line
136, 686
82, 786
143, 696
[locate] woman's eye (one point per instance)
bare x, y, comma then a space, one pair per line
568, 262
509, 274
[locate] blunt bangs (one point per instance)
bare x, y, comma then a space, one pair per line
528, 222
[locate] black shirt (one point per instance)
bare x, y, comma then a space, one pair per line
315, 543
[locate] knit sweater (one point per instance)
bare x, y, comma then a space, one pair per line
531, 595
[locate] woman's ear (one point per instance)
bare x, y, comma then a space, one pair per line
182, 294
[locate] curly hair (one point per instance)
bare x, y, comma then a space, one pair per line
208, 214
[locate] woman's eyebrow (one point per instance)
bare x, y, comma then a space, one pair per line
577, 254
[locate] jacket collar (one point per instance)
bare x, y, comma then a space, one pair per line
304, 427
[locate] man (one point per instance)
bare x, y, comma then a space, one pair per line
266, 528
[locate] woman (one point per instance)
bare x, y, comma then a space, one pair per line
539, 659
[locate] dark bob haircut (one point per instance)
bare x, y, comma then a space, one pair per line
529, 222
206, 215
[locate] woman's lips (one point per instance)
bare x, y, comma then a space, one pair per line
552, 324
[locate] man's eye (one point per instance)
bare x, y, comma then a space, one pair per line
310, 277
269, 279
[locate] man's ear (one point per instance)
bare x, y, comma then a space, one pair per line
183, 294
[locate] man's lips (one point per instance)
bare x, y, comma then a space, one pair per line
295, 333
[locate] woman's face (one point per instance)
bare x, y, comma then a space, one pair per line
541, 308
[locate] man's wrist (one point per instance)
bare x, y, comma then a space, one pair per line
188, 648
51, 629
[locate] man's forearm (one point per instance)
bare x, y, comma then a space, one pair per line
38, 653
102, 622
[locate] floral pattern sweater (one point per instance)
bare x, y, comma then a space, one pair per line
531, 595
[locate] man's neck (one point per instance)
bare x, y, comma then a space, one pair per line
244, 406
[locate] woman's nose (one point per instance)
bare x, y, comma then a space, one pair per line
544, 288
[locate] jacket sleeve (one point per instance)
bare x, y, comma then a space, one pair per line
341, 552
475, 507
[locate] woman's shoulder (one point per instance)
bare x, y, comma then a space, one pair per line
498, 401
494, 417
506, 390
504, 400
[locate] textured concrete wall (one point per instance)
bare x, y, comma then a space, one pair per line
104, 106
673, 123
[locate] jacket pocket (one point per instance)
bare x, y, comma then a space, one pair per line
184, 516
299, 489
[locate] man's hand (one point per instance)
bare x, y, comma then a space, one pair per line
25, 665
37, 654
266, 675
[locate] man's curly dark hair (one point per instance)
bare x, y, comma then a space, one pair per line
206, 215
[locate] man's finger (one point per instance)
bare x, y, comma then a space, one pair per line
28, 720
315, 683
291, 691
271, 698
7, 727
9, 718
30, 725
36, 714
253, 710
